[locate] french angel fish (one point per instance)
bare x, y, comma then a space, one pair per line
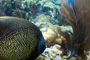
20, 39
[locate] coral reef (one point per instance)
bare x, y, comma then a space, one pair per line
43, 18
45, 15
54, 52
29, 10
50, 31
51, 34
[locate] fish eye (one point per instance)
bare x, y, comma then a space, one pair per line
44, 43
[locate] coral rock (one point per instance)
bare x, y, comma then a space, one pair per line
43, 18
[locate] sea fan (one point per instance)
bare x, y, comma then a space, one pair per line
77, 14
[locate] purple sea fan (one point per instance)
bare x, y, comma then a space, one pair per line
77, 13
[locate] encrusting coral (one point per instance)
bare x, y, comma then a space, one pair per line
43, 18
51, 35
54, 52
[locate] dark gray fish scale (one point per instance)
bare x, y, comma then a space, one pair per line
18, 39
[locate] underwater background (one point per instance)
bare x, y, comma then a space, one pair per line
46, 16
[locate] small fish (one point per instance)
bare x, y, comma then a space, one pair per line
78, 17
20, 39
32, 9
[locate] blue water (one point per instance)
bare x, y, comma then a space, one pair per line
70, 2
55, 0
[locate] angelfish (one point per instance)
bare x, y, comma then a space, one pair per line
77, 14
20, 39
